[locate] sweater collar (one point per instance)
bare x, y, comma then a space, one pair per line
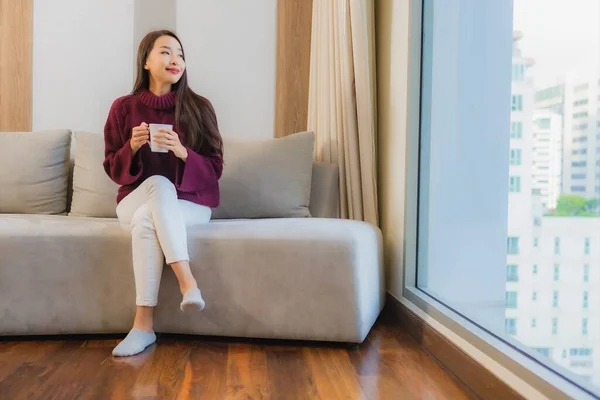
164, 102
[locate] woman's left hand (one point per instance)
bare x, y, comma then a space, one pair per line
169, 139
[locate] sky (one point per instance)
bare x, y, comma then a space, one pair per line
560, 35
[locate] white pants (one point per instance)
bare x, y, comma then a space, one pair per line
158, 220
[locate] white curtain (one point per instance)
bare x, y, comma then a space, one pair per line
341, 105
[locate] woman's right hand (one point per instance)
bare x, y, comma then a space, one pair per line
139, 137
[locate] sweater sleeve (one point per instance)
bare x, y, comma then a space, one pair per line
120, 164
198, 172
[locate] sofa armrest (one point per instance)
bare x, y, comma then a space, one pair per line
324, 192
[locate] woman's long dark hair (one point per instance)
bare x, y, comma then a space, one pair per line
192, 111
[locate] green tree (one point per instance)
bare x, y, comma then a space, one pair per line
575, 206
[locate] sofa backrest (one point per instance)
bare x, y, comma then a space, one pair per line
324, 190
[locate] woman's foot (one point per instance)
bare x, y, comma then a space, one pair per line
192, 300
135, 342
184, 276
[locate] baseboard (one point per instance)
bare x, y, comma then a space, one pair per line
476, 378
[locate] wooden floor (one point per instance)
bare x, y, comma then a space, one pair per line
388, 365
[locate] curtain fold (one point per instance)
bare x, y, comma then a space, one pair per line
341, 105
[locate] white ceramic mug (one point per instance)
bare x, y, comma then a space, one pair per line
153, 131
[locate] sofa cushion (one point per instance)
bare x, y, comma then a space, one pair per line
34, 171
313, 279
94, 193
269, 178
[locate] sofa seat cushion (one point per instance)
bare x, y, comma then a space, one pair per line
296, 278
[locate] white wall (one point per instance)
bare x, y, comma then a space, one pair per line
230, 49
82, 61
84, 58
152, 15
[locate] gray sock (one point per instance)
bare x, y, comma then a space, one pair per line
192, 299
135, 342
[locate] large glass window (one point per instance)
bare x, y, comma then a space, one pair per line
508, 225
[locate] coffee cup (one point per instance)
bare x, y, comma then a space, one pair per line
153, 131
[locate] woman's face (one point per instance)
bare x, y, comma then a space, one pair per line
165, 62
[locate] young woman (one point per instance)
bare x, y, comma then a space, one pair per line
161, 193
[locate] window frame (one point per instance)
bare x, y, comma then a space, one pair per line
524, 363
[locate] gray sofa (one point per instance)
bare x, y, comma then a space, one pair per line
65, 272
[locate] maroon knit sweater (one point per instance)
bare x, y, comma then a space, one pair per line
196, 179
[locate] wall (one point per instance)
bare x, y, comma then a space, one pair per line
84, 58
82, 61
152, 15
392, 29
230, 49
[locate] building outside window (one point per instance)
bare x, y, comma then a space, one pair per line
515, 157
511, 326
513, 245
512, 273
518, 72
516, 130
511, 299
517, 103
515, 184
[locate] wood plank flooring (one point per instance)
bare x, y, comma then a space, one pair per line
388, 365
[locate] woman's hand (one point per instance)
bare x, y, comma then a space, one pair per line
168, 139
139, 137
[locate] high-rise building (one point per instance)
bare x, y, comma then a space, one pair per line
553, 263
521, 214
547, 157
575, 97
521, 138
553, 294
